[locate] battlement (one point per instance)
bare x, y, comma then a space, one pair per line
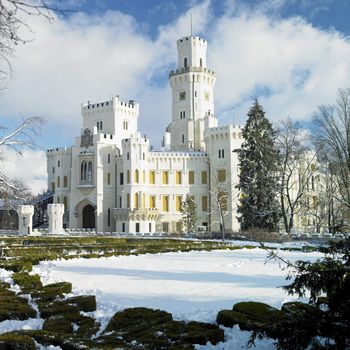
195, 39
137, 138
61, 150
191, 70
109, 105
176, 155
225, 131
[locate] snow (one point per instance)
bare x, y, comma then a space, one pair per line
192, 286
15, 325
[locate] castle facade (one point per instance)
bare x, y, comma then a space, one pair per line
112, 181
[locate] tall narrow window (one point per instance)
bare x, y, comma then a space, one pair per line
200, 62
65, 203
165, 202
136, 176
152, 177
128, 176
165, 177
109, 217
183, 138
128, 200
152, 202
58, 163
121, 178
136, 200
185, 62
58, 182
178, 175
109, 158
204, 203
204, 178
221, 175
178, 203
65, 181
83, 171
108, 178
191, 177
128, 156
89, 172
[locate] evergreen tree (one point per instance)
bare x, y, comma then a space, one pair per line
189, 216
258, 184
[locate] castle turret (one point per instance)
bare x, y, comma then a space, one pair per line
192, 86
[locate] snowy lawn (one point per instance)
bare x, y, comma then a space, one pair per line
192, 286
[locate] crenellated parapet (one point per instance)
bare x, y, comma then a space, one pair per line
25, 219
55, 213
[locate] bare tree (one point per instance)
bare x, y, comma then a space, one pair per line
22, 136
222, 196
333, 136
13, 14
297, 166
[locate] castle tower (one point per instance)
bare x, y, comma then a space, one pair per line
192, 86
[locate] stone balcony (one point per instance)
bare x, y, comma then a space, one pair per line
191, 69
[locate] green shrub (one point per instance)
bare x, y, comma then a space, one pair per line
14, 341
52, 291
28, 283
15, 308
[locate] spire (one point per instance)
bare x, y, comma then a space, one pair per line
191, 24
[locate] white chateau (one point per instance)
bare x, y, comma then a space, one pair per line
112, 181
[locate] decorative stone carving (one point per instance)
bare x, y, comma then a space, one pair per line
55, 213
25, 219
86, 139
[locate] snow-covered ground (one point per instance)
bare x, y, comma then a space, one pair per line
192, 286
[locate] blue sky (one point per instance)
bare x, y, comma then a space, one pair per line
291, 54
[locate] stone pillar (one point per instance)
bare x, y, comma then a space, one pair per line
25, 219
55, 213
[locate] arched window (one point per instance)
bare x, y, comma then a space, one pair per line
200, 62
65, 202
128, 200
136, 200
58, 181
185, 62
136, 176
89, 172
65, 181
108, 178
83, 170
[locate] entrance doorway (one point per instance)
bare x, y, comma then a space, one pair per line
88, 216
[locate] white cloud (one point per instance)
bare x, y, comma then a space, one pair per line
299, 65
30, 168
252, 50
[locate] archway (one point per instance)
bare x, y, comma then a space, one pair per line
88, 216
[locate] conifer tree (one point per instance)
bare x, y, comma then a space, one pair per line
189, 216
258, 184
